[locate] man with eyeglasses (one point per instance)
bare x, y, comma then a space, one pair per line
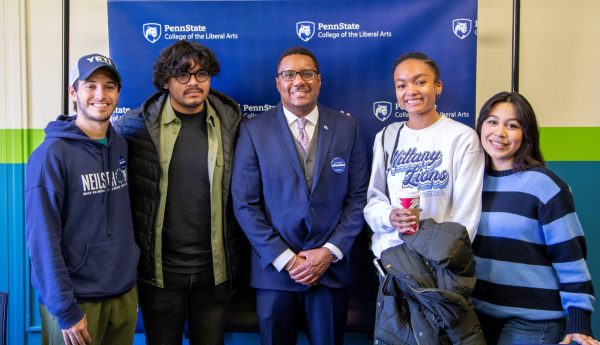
299, 187
181, 143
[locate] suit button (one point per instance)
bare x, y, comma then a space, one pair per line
312, 210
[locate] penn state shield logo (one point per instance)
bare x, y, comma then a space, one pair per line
305, 30
382, 110
152, 31
461, 27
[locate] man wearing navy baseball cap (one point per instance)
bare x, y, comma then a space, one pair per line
91, 63
78, 221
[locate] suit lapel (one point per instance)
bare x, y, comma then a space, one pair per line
326, 133
286, 142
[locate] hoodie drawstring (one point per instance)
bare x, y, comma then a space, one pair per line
109, 186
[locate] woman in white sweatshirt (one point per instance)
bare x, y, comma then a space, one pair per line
440, 157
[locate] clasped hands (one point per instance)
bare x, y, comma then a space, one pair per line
309, 265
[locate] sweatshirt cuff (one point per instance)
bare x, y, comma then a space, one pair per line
579, 321
70, 317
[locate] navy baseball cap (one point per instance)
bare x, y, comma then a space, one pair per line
91, 63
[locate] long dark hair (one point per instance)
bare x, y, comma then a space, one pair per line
529, 155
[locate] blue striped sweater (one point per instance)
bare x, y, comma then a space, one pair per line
530, 251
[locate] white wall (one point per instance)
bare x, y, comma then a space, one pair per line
88, 34
494, 41
13, 82
560, 61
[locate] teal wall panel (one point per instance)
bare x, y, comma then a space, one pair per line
4, 193
583, 179
14, 273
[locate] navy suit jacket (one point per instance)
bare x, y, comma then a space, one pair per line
276, 210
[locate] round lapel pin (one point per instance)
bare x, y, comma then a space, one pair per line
338, 165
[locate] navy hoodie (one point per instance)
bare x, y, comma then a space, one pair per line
78, 220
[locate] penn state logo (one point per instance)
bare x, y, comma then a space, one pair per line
382, 110
305, 30
152, 31
461, 27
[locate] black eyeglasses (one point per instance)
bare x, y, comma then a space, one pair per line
200, 75
306, 74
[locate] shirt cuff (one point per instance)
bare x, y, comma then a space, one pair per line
337, 253
385, 219
283, 259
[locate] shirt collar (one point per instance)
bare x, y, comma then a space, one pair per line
312, 117
168, 114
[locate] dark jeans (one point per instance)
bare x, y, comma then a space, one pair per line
520, 331
186, 297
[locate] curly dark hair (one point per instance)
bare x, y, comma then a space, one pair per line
179, 58
529, 154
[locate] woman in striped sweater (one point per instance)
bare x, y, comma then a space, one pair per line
533, 282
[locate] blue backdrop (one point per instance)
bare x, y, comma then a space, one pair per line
356, 43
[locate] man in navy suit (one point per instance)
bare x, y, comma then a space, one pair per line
299, 186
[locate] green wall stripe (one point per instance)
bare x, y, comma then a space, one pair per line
17, 144
570, 143
558, 144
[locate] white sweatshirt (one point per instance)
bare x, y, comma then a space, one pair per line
444, 161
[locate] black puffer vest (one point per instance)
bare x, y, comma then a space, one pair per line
141, 129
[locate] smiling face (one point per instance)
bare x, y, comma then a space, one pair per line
96, 97
416, 87
298, 96
188, 98
501, 136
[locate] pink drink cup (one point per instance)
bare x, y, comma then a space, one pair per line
409, 199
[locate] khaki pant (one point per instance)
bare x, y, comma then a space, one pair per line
109, 322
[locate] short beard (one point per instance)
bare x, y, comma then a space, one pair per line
82, 110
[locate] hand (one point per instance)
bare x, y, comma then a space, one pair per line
77, 334
311, 265
580, 339
402, 220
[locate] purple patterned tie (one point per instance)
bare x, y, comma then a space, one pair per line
302, 137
